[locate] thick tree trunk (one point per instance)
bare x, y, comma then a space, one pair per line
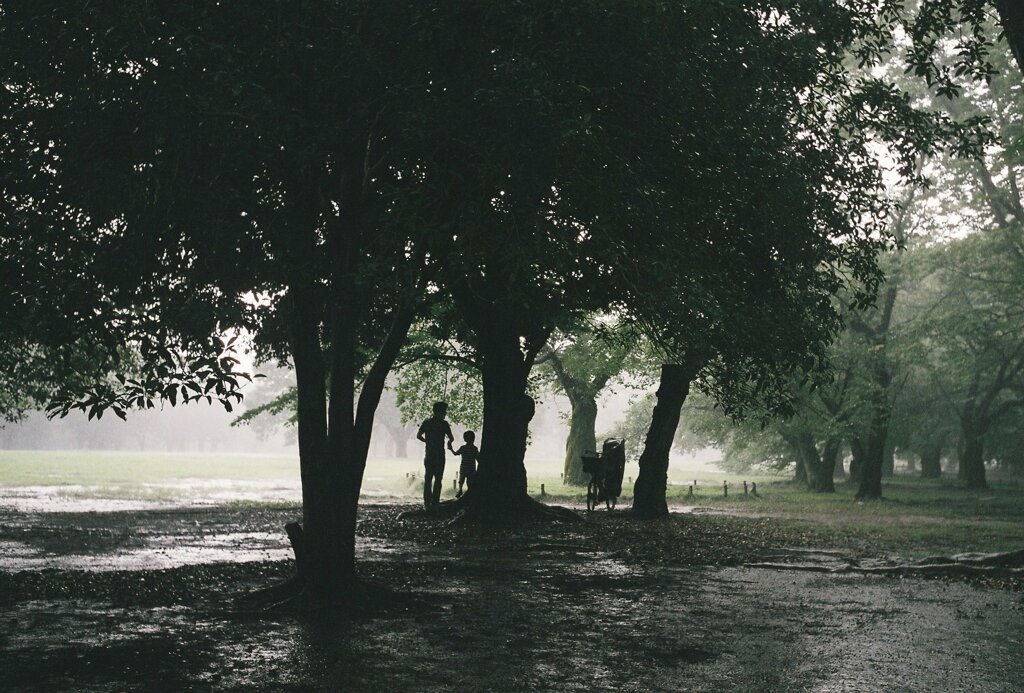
500, 483
871, 473
931, 461
878, 432
819, 468
972, 462
649, 491
582, 437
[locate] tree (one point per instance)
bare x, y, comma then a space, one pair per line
975, 341
682, 206
178, 171
583, 362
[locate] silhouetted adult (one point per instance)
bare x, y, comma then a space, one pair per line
433, 432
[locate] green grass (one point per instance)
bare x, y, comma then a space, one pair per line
916, 517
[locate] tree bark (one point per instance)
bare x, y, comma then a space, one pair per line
582, 437
500, 483
889, 461
819, 468
1011, 17
649, 491
972, 462
328, 563
878, 431
874, 455
931, 461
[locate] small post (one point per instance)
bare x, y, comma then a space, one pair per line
561, 475
744, 488
754, 489
725, 488
455, 484
542, 494
630, 479
695, 483
691, 491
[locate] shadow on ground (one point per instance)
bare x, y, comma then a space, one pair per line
543, 608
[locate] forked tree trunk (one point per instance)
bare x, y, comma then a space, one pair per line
328, 554
649, 491
582, 438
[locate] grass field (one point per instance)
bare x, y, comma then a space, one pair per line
917, 517
182, 476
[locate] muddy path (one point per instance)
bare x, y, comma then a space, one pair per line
541, 608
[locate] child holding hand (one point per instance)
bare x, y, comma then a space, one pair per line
469, 454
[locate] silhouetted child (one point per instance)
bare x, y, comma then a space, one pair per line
433, 431
467, 467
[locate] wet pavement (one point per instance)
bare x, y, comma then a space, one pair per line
529, 611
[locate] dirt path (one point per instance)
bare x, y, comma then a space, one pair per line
525, 611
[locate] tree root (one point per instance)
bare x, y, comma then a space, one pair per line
269, 598
464, 510
443, 510
1009, 564
521, 509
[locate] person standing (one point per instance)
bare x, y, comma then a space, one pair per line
467, 467
433, 433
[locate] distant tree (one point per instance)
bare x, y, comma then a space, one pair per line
975, 341
662, 220
582, 363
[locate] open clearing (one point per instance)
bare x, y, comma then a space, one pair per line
99, 594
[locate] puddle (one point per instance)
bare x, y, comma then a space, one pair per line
186, 493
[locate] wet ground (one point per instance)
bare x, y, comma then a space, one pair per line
128, 599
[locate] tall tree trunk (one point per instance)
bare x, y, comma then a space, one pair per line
874, 456
582, 437
500, 483
327, 564
972, 461
931, 460
878, 432
649, 491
